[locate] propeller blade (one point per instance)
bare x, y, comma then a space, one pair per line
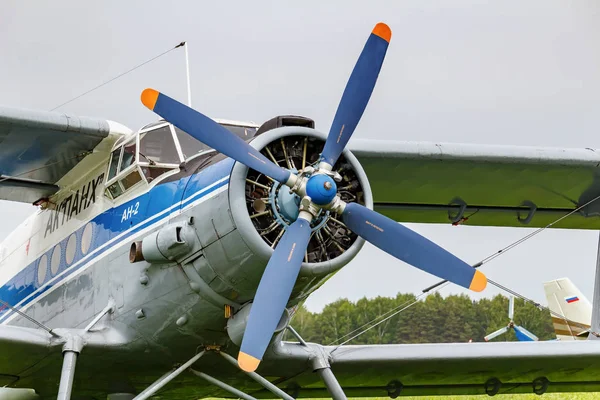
273, 293
212, 134
495, 334
524, 335
511, 307
410, 247
357, 93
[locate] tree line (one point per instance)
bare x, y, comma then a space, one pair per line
435, 319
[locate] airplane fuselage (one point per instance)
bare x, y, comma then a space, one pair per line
71, 259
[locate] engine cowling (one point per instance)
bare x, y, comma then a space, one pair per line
262, 209
230, 242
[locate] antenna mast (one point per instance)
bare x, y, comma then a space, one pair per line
187, 71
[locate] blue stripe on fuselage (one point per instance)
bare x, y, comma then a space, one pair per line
120, 223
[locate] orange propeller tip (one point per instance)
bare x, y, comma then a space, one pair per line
247, 362
149, 98
479, 282
383, 31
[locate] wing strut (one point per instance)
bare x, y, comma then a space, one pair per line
333, 386
71, 351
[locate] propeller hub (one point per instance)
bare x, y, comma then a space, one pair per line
321, 189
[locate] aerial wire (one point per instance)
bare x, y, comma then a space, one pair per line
182, 44
5, 178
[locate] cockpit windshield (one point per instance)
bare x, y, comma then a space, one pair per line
158, 145
154, 151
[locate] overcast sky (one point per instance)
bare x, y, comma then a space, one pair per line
503, 72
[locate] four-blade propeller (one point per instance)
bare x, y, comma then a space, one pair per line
320, 191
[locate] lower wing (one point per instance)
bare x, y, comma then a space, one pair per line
444, 369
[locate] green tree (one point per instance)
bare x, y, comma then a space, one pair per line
434, 319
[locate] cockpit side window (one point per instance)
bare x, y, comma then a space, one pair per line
245, 132
114, 163
128, 157
191, 146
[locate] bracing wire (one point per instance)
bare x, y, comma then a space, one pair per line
438, 286
373, 320
44, 327
415, 301
522, 240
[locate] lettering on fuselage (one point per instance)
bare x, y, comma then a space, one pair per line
73, 205
130, 211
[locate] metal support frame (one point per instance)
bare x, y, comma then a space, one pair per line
166, 378
71, 350
110, 307
320, 363
223, 385
265, 383
296, 335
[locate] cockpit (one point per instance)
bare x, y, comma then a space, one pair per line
156, 150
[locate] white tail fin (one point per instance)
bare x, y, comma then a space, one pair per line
565, 299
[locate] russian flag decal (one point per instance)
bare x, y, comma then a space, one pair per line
571, 299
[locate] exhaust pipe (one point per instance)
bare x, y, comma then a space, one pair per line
163, 246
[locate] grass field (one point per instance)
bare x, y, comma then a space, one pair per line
549, 396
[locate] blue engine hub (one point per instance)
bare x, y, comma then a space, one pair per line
286, 205
289, 204
321, 189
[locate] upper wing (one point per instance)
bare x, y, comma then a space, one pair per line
38, 148
457, 368
491, 185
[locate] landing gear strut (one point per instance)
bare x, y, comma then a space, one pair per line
168, 377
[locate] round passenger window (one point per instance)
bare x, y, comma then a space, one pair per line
55, 261
86, 238
70, 250
42, 269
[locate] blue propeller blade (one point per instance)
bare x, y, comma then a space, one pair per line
357, 93
212, 134
410, 247
273, 293
524, 335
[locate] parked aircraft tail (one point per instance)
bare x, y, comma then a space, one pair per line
565, 299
